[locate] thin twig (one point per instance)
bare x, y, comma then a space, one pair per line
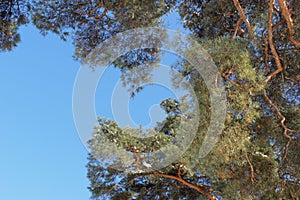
251, 167
282, 122
179, 172
242, 87
266, 51
238, 24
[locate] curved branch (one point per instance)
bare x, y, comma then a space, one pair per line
271, 42
195, 187
288, 18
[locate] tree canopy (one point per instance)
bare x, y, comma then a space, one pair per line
14, 13
256, 48
255, 45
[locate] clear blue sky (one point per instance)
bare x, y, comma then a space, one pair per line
41, 154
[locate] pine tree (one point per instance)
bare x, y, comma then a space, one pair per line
256, 48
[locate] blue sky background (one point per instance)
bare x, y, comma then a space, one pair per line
41, 154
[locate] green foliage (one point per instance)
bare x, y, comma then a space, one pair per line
254, 158
90, 23
13, 14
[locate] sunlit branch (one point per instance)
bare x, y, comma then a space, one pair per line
288, 18
271, 42
195, 187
